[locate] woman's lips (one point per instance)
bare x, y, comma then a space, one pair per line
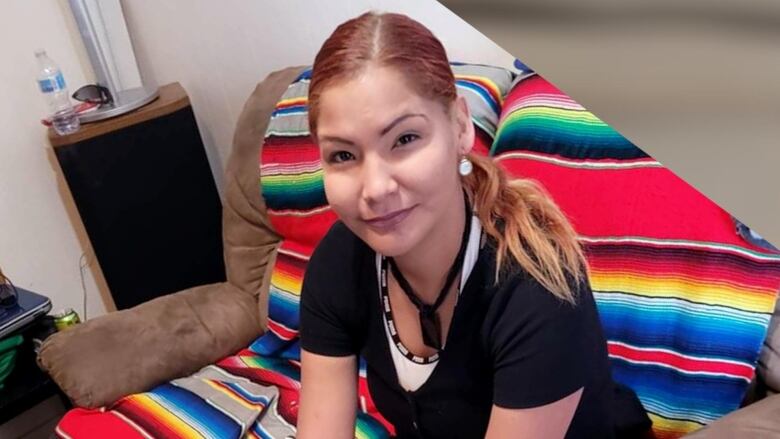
390, 220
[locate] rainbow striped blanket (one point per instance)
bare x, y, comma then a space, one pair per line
684, 300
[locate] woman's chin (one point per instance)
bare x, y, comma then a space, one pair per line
388, 244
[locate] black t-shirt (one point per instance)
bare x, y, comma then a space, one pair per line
513, 344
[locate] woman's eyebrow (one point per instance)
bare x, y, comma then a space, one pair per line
384, 131
398, 120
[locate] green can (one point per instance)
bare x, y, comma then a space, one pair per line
65, 319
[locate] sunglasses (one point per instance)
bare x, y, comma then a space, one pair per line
8, 295
94, 94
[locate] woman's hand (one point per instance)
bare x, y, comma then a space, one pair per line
549, 421
328, 397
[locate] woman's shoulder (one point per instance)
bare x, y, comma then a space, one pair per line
339, 246
516, 282
341, 264
517, 299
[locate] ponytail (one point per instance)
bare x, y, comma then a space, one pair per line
528, 225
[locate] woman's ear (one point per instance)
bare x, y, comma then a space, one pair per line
464, 125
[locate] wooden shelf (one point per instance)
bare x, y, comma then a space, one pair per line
172, 97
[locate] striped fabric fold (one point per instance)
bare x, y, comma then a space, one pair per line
684, 301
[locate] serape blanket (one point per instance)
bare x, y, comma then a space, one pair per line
685, 301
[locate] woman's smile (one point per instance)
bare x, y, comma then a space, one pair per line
388, 222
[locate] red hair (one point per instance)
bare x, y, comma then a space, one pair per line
382, 40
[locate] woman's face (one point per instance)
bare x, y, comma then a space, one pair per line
390, 159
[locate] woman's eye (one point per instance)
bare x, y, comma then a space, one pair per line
341, 156
406, 138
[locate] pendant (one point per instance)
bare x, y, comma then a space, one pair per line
431, 329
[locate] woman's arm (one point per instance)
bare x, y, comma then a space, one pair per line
328, 396
549, 421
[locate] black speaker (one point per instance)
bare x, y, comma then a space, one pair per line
145, 192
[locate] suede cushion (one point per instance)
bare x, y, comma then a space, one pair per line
130, 351
758, 420
249, 239
769, 362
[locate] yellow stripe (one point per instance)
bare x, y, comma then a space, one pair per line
733, 287
173, 422
234, 397
673, 428
482, 80
707, 293
292, 101
286, 282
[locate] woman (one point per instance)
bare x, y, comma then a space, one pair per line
466, 294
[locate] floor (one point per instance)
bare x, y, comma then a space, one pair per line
36, 423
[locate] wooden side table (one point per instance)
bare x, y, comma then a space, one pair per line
145, 193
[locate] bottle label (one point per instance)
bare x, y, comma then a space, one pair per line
51, 84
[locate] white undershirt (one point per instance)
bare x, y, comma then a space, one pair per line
412, 375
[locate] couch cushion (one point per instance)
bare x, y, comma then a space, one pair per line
759, 420
249, 239
769, 360
684, 300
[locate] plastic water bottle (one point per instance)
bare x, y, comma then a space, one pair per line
52, 85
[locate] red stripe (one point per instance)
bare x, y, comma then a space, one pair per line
649, 202
680, 362
281, 331
289, 150
289, 266
83, 423
665, 265
305, 231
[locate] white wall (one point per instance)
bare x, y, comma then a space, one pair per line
217, 50
39, 245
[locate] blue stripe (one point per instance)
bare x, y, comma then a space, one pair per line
681, 332
306, 74
706, 396
268, 345
289, 197
195, 411
283, 310
486, 96
294, 109
256, 399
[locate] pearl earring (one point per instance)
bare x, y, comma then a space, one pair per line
465, 167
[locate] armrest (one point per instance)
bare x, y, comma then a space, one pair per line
130, 351
760, 419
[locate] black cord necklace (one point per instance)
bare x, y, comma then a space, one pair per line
429, 319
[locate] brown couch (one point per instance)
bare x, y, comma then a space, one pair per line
133, 350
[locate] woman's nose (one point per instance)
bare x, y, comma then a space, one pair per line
378, 180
